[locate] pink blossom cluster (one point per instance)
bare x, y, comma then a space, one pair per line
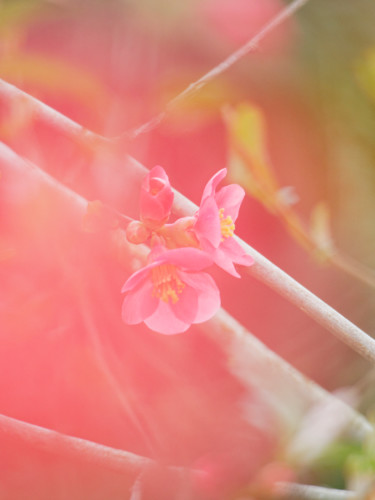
172, 291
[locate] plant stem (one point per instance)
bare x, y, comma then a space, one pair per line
268, 273
72, 448
248, 359
294, 491
233, 58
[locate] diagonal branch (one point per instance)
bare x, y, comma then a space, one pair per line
268, 273
294, 491
232, 59
129, 464
86, 136
264, 270
72, 448
289, 392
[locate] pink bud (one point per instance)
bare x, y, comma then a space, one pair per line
156, 198
137, 232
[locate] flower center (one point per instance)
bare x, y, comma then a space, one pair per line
226, 224
167, 285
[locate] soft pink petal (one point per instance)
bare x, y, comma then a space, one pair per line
139, 304
136, 278
166, 197
186, 307
211, 185
156, 252
164, 321
207, 225
225, 262
159, 172
224, 255
185, 258
151, 207
156, 206
231, 252
208, 294
230, 198
236, 253
207, 247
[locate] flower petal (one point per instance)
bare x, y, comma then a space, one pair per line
186, 307
231, 252
230, 198
164, 321
136, 278
223, 261
156, 197
207, 225
235, 252
151, 208
185, 258
211, 185
158, 172
208, 294
139, 304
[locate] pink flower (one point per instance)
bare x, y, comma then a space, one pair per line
171, 292
156, 198
214, 226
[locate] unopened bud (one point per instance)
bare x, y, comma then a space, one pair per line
156, 198
137, 232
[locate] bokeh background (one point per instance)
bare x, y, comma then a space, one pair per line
111, 66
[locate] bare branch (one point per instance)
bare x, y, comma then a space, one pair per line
289, 392
268, 273
73, 448
233, 58
293, 491
316, 308
40, 111
264, 270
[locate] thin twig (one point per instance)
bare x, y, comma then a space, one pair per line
294, 491
73, 448
129, 464
88, 137
316, 308
39, 111
289, 392
264, 270
233, 58
268, 273
268, 196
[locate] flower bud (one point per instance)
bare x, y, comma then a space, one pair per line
137, 232
156, 198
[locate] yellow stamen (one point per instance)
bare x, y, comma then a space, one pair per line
227, 225
167, 284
